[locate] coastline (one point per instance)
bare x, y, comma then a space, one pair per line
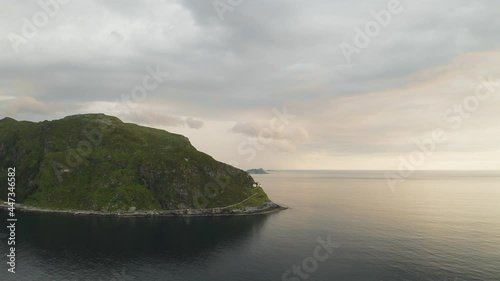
268, 208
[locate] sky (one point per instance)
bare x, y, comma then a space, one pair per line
282, 84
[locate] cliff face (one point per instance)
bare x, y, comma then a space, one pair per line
97, 162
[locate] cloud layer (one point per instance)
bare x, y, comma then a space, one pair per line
228, 75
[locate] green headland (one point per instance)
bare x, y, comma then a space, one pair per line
98, 164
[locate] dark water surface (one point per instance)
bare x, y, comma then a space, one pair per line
434, 226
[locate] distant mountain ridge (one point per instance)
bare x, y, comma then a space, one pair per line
98, 163
257, 171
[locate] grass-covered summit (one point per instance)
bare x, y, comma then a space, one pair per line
98, 163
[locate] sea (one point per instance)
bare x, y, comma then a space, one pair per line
339, 225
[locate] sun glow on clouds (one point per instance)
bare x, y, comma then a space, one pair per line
360, 131
228, 76
363, 126
374, 129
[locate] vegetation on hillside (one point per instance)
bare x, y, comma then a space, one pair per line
97, 162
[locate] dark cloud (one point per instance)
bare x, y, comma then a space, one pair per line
249, 129
193, 123
262, 54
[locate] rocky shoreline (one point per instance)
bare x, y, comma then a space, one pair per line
268, 208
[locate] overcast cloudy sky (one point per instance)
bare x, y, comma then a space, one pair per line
233, 64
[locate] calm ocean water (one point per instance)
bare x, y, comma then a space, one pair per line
435, 226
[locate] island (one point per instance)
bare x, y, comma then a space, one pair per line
259, 171
95, 164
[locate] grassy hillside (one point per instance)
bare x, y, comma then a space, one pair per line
97, 162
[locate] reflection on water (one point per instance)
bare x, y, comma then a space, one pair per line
78, 247
175, 238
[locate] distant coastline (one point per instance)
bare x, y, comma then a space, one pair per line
259, 171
